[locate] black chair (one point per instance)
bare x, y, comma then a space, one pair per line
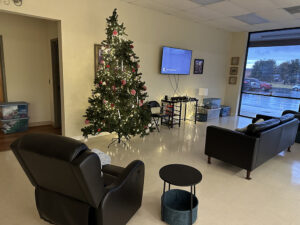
69, 186
156, 116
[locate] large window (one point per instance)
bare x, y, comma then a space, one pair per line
271, 82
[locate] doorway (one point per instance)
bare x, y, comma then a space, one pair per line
56, 82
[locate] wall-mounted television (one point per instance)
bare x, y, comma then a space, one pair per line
176, 61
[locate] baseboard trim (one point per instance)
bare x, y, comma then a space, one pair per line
37, 124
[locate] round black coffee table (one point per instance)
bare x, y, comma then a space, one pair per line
181, 175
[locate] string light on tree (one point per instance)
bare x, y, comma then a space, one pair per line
119, 93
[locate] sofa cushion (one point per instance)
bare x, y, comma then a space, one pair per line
256, 128
244, 129
287, 117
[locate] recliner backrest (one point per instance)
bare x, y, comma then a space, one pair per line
62, 165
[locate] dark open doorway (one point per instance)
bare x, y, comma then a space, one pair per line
56, 82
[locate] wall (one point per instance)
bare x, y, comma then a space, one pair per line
26, 45
83, 25
238, 49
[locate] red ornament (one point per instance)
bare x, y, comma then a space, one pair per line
100, 83
107, 66
123, 82
131, 46
112, 105
145, 88
133, 92
99, 130
87, 121
115, 32
133, 70
104, 101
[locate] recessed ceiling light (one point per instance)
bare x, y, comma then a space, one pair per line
207, 2
251, 19
293, 10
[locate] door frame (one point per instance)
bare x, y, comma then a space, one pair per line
3, 69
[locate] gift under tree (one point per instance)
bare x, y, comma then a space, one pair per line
117, 101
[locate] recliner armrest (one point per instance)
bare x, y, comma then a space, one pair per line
113, 170
124, 195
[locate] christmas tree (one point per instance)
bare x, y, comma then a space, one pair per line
117, 101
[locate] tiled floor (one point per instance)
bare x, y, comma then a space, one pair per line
272, 197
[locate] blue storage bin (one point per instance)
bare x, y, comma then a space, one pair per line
14, 125
225, 111
13, 110
212, 103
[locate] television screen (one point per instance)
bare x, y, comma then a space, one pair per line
176, 61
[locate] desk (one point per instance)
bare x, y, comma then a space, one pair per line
173, 108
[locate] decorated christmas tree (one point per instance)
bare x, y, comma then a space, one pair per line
117, 101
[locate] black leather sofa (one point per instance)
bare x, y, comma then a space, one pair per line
295, 113
259, 143
69, 186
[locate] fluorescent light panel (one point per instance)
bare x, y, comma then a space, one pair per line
206, 2
251, 19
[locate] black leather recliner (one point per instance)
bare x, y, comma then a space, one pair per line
69, 186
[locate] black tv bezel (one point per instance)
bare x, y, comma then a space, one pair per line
175, 73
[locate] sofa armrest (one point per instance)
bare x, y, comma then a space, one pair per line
230, 146
297, 114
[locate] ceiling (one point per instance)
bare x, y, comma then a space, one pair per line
231, 15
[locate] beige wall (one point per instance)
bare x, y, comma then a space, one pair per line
83, 24
238, 49
26, 43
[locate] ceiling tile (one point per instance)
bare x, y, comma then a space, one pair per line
207, 2
150, 4
178, 4
266, 26
128, 1
225, 27
290, 23
229, 21
205, 13
255, 5
228, 9
286, 3
275, 15
191, 16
